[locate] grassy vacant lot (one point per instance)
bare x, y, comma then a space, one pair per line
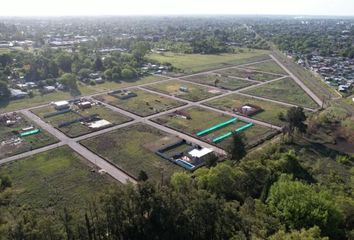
78, 129
26, 143
192, 63
193, 93
309, 79
202, 119
214, 79
144, 104
133, 149
248, 74
269, 66
285, 90
39, 99
269, 114
53, 180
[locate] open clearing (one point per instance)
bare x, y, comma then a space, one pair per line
269, 114
217, 80
248, 74
40, 99
269, 66
185, 90
11, 143
195, 119
133, 148
78, 128
192, 63
144, 104
285, 90
53, 180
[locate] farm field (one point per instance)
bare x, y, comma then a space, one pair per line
78, 128
248, 74
133, 148
199, 119
285, 90
269, 66
185, 90
269, 114
144, 104
53, 180
192, 63
39, 99
11, 143
217, 80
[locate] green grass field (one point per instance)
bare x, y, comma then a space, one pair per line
26, 143
308, 78
192, 63
201, 119
53, 180
193, 93
133, 149
285, 90
214, 79
144, 104
269, 114
269, 66
248, 74
39, 99
78, 129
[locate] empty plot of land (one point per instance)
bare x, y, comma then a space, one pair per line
195, 119
133, 148
53, 180
248, 74
285, 90
90, 119
18, 135
264, 110
269, 66
143, 104
185, 90
217, 80
192, 63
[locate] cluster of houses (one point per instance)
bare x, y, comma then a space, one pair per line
66, 40
334, 70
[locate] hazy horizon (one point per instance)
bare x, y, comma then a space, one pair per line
45, 8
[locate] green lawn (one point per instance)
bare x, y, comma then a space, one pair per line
248, 74
39, 99
269, 66
133, 149
201, 119
144, 104
24, 144
193, 93
285, 90
78, 129
269, 114
192, 63
215, 79
53, 180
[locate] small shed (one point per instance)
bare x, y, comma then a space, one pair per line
61, 105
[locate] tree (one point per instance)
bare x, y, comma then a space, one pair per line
98, 64
4, 92
84, 73
70, 83
296, 118
5, 59
313, 233
237, 149
64, 62
128, 73
143, 176
300, 205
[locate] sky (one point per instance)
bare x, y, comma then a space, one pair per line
175, 7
